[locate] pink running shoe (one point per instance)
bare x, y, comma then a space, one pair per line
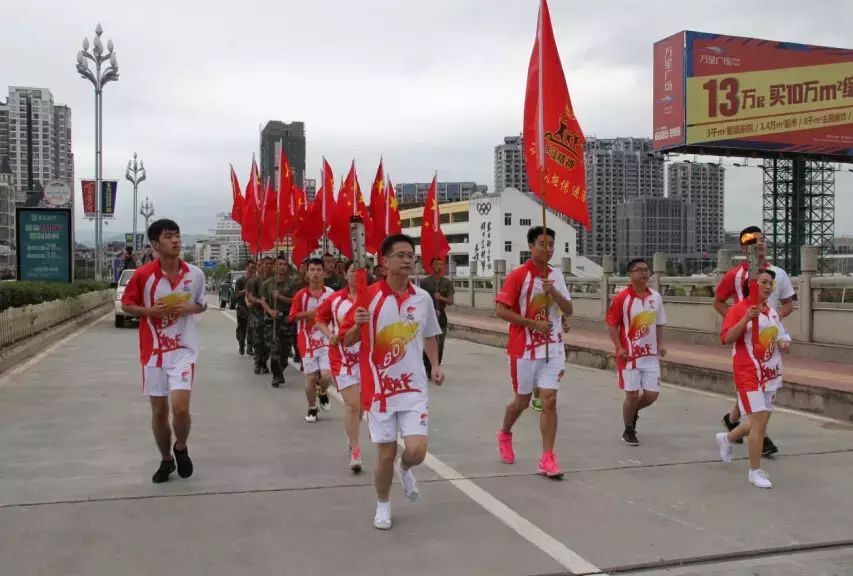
505, 447
549, 467
355, 460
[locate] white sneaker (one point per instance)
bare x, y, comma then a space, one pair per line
725, 447
407, 479
759, 478
382, 519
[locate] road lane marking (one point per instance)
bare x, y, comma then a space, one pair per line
567, 558
40, 356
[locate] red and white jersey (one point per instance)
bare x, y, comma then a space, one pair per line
522, 293
170, 341
310, 340
757, 360
637, 318
734, 282
393, 377
332, 312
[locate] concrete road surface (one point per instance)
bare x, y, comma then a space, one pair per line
273, 494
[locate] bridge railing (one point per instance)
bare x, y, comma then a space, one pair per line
19, 323
823, 305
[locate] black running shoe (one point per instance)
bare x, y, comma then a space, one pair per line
727, 422
325, 405
264, 369
769, 448
312, 415
242, 350
629, 437
277, 380
185, 465
162, 473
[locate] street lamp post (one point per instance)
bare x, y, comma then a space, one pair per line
99, 78
135, 174
146, 211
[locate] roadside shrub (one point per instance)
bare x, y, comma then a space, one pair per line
17, 294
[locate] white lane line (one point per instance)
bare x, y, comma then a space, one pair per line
40, 356
566, 557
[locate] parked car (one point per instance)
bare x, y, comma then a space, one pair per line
228, 289
120, 316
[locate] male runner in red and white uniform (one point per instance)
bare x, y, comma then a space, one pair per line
166, 294
313, 345
757, 336
635, 321
395, 322
531, 300
733, 285
344, 360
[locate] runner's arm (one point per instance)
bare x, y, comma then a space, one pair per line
504, 312
296, 317
721, 307
431, 350
786, 306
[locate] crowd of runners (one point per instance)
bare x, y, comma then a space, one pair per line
381, 347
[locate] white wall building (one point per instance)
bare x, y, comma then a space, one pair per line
495, 227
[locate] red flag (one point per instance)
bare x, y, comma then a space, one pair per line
251, 223
314, 224
237, 202
377, 232
344, 209
392, 214
269, 219
286, 207
433, 242
302, 247
553, 141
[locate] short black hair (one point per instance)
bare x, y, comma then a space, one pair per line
265, 258
249, 261
636, 261
328, 254
281, 257
538, 231
746, 231
128, 248
348, 264
163, 225
389, 242
315, 261
767, 271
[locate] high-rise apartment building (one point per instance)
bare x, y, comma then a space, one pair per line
7, 219
410, 195
510, 171
36, 138
645, 226
617, 170
292, 137
703, 185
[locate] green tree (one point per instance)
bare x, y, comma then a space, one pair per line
220, 272
189, 258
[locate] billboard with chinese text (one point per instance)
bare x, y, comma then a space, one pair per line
749, 96
44, 244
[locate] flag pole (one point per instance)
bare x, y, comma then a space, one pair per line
540, 149
436, 220
323, 200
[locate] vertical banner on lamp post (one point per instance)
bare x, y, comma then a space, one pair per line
90, 200
108, 197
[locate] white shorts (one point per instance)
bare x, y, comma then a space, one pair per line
385, 426
635, 379
343, 381
313, 364
527, 374
756, 401
160, 381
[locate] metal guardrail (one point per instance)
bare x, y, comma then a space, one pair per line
19, 323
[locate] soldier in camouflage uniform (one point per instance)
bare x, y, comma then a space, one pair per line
256, 315
277, 293
242, 310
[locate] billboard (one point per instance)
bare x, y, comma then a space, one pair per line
744, 95
44, 244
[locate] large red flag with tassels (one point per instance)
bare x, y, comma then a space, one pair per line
433, 242
392, 213
344, 209
314, 225
302, 247
237, 198
251, 224
553, 141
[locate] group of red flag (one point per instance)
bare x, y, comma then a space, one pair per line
554, 158
269, 218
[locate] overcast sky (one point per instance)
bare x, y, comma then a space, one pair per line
432, 85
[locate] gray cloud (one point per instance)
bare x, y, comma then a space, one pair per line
431, 85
